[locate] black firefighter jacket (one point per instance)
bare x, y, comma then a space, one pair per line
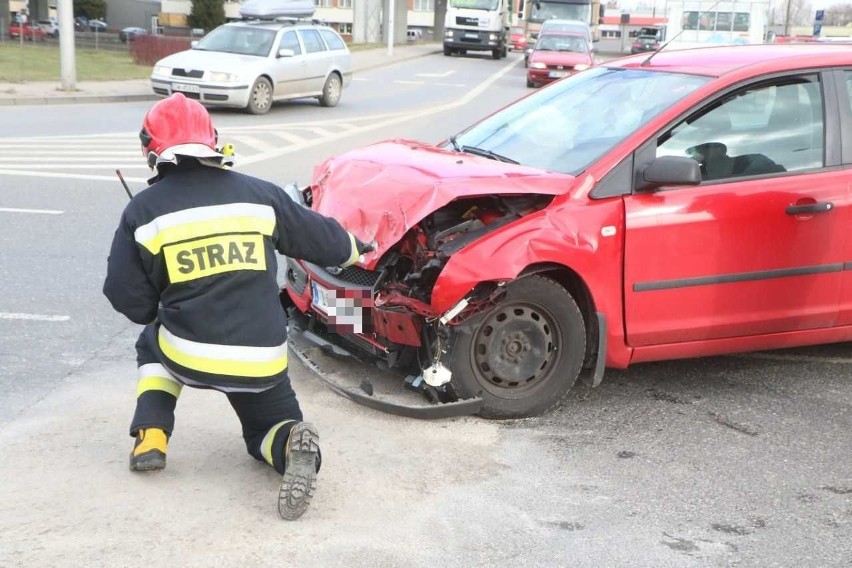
196, 251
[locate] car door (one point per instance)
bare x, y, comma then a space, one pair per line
759, 246
290, 71
317, 57
844, 83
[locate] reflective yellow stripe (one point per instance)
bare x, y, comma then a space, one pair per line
154, 376
197, 222
255, 363
205, 257
199, 229
266, 444
353, 258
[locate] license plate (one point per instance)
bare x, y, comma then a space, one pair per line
557, 74
183, 87
348, 311
472, 36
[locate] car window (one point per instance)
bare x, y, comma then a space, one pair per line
243, 40
849, 87
561, 43
313, 42
769, 128
332, 40
290, 41
569, 125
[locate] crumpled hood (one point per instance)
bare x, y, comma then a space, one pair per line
379, 192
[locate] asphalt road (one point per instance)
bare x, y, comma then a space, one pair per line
729, 461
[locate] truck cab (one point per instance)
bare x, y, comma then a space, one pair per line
477, 25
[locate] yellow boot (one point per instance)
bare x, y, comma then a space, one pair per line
149, 451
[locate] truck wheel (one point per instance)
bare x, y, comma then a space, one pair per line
495, 53
260, 97
331, 91
447, 51
524, 355
505, 52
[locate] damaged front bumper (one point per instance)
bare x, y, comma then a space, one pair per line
365, 382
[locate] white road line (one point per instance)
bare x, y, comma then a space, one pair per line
321, 132
288, 137
437, 75
89, 158
65, 175
401, 82
37, 211
36, 317
450, 85
252, 142
60, 151
795, 358
414, 114
60, 166
359, 79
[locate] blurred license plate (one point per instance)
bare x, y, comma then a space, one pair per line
183, 87
320, 297
557, 74
472, 36
348, 311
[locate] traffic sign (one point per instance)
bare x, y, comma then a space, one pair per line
817, 30
820, 15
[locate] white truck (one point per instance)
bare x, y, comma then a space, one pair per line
477, 25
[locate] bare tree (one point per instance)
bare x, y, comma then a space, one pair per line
793, 13
838, 15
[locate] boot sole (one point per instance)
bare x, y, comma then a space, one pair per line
149, 461
299, 482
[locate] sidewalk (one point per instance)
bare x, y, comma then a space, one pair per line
48, 92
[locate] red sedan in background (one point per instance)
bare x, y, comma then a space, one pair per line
31, 32
517, 39
556, 56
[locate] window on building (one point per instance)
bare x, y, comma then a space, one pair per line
424, 5
344, 3
344, 29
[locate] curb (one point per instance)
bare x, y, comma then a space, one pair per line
91, 99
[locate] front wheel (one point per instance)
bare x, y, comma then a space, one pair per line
331, 91
495, 53
524, 355
260, 96
447, 51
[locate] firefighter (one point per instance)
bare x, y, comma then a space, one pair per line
193, 260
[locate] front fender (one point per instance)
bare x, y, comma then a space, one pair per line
585, 237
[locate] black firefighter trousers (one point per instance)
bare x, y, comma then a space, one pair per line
258, 412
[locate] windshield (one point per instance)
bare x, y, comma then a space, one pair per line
542, 11
238, 39
475, 4
569, 125
561, 43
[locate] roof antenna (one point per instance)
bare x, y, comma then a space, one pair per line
682, 29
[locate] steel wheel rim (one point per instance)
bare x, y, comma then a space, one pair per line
260, 95
334, 89
515, 349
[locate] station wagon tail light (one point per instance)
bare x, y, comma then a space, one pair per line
581, 67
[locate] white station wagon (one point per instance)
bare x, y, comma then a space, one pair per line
250, 64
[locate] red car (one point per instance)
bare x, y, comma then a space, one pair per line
517, 39
689, 204
556, 56
31, 32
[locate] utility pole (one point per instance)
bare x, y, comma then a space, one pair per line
390, 30
787, 18
67, 61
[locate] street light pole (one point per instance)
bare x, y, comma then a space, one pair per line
391, 9
67, 62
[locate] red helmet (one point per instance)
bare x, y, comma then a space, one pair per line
178, 126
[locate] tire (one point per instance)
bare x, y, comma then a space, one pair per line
260, 97
530, 84
495, 53
505, 53
447, 51
331, 91
524, 355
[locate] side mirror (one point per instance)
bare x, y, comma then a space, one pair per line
669, 170
286, 53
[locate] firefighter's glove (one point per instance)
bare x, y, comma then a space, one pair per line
363, 248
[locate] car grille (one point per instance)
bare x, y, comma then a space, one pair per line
357, 275
560, 67
464, 21
193, 73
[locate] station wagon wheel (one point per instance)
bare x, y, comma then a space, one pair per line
260, 97
331, 91
523, 355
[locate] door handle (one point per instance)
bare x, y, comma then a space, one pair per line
818, 207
